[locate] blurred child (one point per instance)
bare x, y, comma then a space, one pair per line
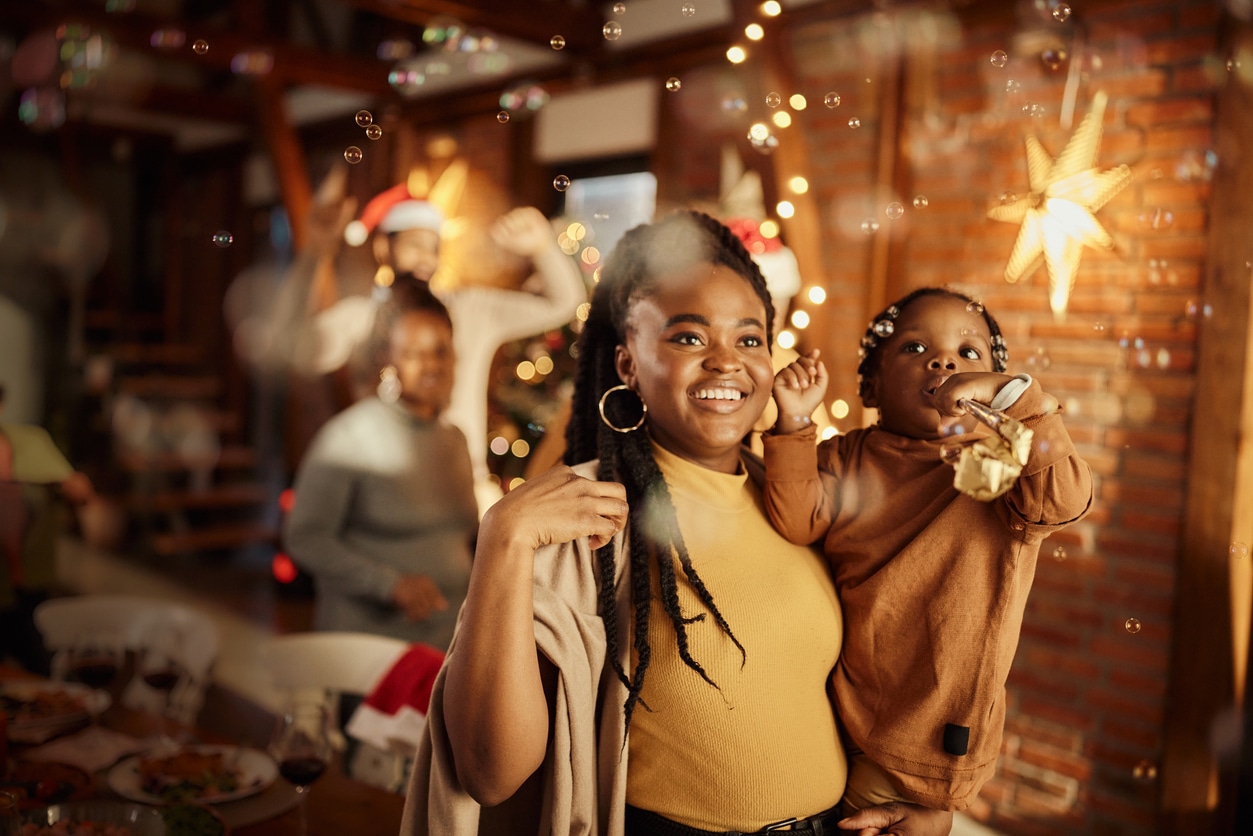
933, 582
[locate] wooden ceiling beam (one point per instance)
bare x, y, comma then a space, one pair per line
579, 25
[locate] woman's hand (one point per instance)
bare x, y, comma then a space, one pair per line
899, 819
798, 390
555, 507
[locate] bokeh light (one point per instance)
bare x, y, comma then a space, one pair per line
839, 408
786, 339
800, 319
754, 32
784, 209
736, 54
817, 295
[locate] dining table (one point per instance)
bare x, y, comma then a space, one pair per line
335, 805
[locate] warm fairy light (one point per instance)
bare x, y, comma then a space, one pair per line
754, 32
515, 481
768, 229
581, 312
736, 55
590, 256
800, 320
576, 231
521, 448
839, 408
817, 295
786, 339
355, 234
771, 8
797, 102
759, 131
544, 365
499, 445
782, 119
798, 185
525, 370
784, 209
829, 432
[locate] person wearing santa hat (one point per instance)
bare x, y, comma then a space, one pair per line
404, 235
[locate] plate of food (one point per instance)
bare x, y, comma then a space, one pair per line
39, 784
200, 774
94, 818
36, 710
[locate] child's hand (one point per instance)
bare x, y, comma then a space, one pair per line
977, 386
798, 390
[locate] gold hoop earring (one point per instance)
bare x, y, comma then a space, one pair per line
389, 385
622, 387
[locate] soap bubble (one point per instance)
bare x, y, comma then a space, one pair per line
831, 100
1239, 550
561, 182
612, 30
373, 132
673, 84
921, 202
869, 227
1061, 12
773, 100
557, 42
1038, 360
502, 117
1133, 625
1054, 57
1059, 554
364, 118
223, 239
619, 8
1156, 218
975, 308
854, 122
895, 211
999, 58
884, 328
689, 9
1144, 771
200, 47
352, 155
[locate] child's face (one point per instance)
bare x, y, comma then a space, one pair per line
935, 337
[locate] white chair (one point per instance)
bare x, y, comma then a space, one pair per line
136, 621
322, 666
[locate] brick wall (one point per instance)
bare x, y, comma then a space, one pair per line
1087, 696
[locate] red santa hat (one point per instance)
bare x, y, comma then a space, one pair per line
394, 210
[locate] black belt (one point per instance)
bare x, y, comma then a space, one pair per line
647, 823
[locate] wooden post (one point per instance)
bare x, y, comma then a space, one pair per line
1211, 635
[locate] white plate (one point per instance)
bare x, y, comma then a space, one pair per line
93, 702
256, 771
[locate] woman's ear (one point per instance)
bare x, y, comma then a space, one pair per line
624, 364
870, 397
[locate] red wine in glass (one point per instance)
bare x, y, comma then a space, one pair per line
94, 672
302, 770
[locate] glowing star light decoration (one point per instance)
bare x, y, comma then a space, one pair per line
1057, 215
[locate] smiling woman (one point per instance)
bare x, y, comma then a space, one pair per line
634, 576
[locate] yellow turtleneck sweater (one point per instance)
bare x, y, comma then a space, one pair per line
765, 746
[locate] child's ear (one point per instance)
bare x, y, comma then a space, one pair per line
870, 395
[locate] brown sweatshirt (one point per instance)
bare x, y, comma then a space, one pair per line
933, 584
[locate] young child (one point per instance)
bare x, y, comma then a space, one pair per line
933, 583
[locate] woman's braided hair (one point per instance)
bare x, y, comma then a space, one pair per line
643, 257
883, 324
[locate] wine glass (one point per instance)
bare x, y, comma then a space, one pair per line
302, 746
160, 669
94, 659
